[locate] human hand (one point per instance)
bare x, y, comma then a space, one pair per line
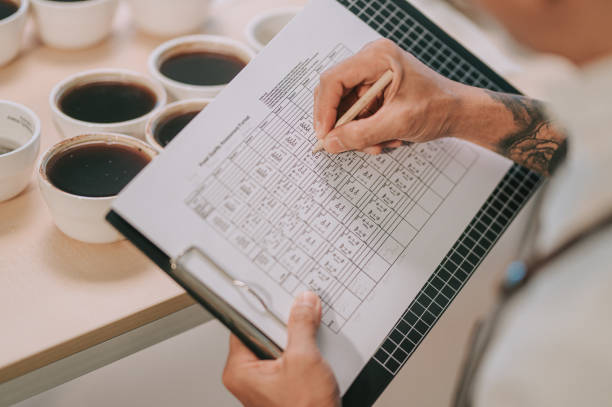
419, 105
300, 378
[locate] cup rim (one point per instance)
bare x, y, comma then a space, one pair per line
86, 138
155, 57
36, 131
61, 87
260, 18
165, 112
23, 8
70, 5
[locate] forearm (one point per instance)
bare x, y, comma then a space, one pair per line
513, 126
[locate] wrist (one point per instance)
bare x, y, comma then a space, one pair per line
464, 117
476, 117
458, 109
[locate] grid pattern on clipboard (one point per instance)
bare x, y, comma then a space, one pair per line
392, 22
457, 267
515, 189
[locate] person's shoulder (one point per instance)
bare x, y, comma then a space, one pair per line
555, 334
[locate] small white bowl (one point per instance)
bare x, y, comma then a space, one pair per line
169, 111
261, 29
165, 18
81, 217
70, 127
20, 131
11, 31
74, 25
190, 43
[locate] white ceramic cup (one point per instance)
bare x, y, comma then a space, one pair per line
261, 29
81, 217
191, 43
165, 18
169, 111
70, 127
74, 25
11, 31
19, 132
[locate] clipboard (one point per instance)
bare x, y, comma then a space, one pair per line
258, 342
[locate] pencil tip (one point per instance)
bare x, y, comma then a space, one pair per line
319, 146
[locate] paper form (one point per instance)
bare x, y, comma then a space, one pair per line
364, 232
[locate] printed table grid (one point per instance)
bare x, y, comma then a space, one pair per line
334, 225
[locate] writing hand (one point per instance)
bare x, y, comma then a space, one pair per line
417, 106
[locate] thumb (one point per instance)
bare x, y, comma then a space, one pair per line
303, 323
358, 134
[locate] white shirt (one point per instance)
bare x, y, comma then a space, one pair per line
553, 346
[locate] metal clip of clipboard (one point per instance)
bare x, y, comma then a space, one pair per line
254, 338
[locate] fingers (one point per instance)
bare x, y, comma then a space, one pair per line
360, 134
362, 68
373, 150
238, 358
303, 323
378, 148
238, 352
393, 144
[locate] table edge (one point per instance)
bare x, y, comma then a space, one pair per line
94, 337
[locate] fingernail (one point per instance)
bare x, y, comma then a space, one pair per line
308, 299
371, 150
334, 144
316, 124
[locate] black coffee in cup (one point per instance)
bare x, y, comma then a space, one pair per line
107, 102
202, 68
96, 169
170, 127
7, 8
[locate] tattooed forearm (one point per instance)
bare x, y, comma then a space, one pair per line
535, 143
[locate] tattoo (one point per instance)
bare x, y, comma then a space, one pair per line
536, 144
